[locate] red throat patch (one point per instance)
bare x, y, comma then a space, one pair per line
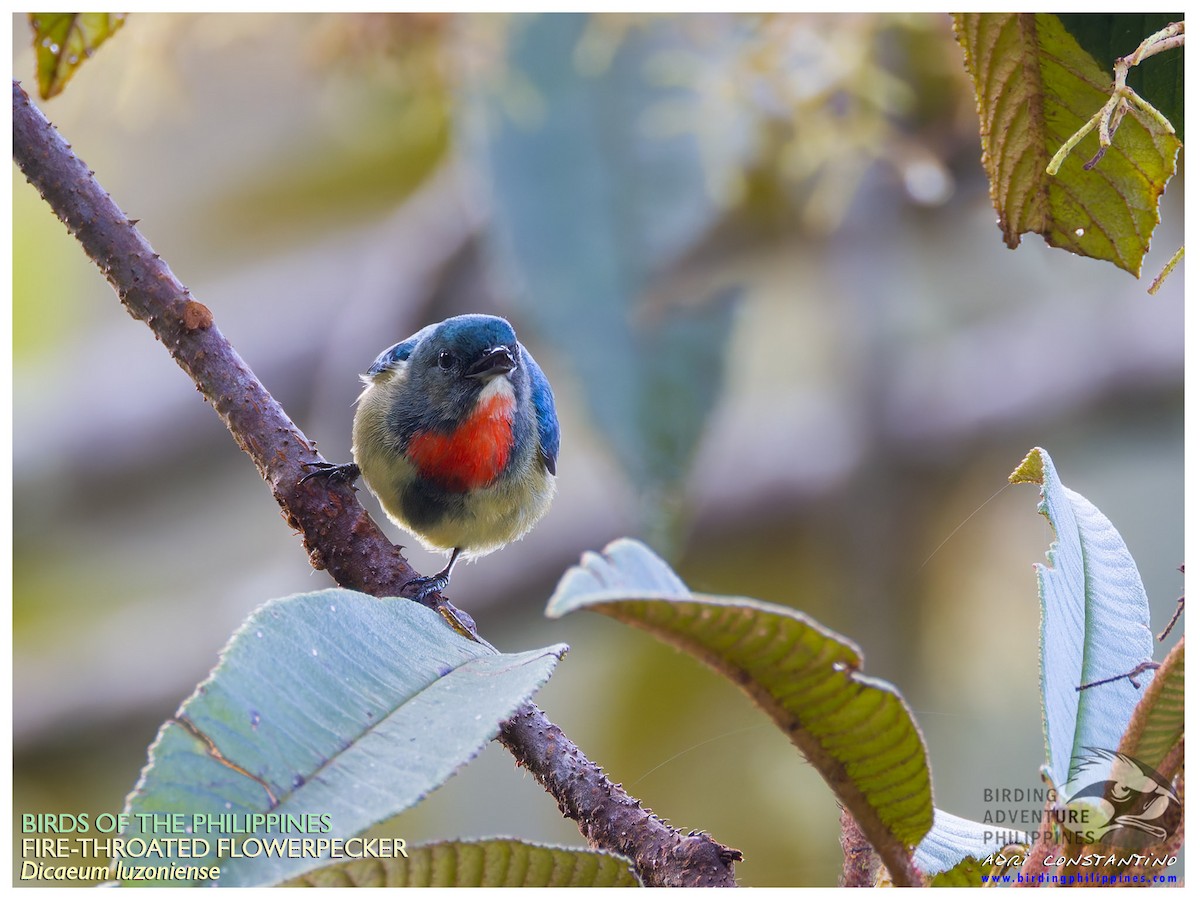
474, 454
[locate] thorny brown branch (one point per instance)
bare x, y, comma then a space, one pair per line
860, 862
337, 533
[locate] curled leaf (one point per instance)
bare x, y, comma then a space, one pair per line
855, 730
1095, 624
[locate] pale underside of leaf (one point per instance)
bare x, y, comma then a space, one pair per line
1095, 623
954, 848
331, 704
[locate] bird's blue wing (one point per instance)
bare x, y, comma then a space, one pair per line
543, 405
396, 354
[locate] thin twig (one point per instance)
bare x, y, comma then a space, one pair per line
1140, 669
1176, 259
1174, 618
338, 534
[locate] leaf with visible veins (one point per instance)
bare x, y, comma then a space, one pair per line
856, 731
1034, 88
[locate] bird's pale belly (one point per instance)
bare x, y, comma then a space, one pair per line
478, 521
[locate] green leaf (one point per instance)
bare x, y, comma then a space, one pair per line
488, 863
1108, 36
64, 40
856, 731
1095, 624
955, 848
1157, 723
594, 201
1034, 88
333, 704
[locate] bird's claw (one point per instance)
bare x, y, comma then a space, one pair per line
426, 587
346, 473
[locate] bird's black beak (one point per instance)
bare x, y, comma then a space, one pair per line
493, 361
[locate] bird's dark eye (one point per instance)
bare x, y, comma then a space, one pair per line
445, 360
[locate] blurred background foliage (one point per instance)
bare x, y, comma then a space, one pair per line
755, 256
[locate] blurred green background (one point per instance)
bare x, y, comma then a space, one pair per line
756, 258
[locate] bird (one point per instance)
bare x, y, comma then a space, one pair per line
456, 434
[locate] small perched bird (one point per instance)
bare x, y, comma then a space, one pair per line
457, 436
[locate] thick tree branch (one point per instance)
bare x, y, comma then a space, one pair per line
337, 532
